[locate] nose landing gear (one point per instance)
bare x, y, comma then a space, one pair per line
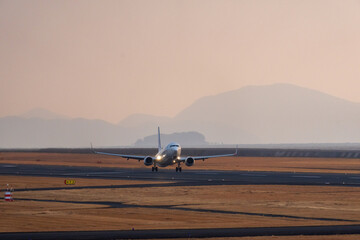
178, 168
154, 169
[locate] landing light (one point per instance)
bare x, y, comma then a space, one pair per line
158, 157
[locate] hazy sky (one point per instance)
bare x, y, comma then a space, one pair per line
109, 59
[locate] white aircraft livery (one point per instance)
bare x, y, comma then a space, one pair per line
170, 155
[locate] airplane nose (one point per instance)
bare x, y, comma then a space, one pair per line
178, 150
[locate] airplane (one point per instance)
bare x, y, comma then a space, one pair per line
170, 155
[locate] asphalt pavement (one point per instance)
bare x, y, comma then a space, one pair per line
188, 233
187, 176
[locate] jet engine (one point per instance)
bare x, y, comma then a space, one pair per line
189, 161
148, 161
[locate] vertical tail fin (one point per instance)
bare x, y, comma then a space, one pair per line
159, 140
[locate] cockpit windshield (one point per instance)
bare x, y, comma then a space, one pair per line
174, 145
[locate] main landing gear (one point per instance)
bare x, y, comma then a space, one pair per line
154, 169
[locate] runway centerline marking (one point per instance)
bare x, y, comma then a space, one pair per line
202, 171
8, 166
92, 173
306, 176
206, 173
253, 175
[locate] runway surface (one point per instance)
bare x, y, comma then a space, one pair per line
188, 233
186, 178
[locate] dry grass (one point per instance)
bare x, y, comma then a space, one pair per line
332, 165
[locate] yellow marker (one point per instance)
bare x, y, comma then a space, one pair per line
69, 182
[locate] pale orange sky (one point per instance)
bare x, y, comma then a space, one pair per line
109, 59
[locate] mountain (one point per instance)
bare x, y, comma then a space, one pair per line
279, 113
141, 120
274, 114
42, 114
18, 132
186, 139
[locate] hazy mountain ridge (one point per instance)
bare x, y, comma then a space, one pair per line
42, 114
279, 113
36, 133
138, 120
273, 114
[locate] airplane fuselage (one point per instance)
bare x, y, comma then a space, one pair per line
168, 156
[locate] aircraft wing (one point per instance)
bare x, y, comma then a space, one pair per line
118, 155
122, 155
210, 156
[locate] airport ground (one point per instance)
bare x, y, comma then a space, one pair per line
113, 194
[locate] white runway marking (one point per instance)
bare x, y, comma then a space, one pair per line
8, 166
253, 175
91, 173
205, 173
306, 176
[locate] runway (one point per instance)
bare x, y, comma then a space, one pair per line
188, 233
187, 177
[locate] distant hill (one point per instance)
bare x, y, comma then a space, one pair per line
42, 114
184, 139
279, 113
17, 132
141, 125
141, 120
275, 114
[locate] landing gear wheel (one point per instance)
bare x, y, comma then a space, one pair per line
177, 169
152, 169
156, 169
